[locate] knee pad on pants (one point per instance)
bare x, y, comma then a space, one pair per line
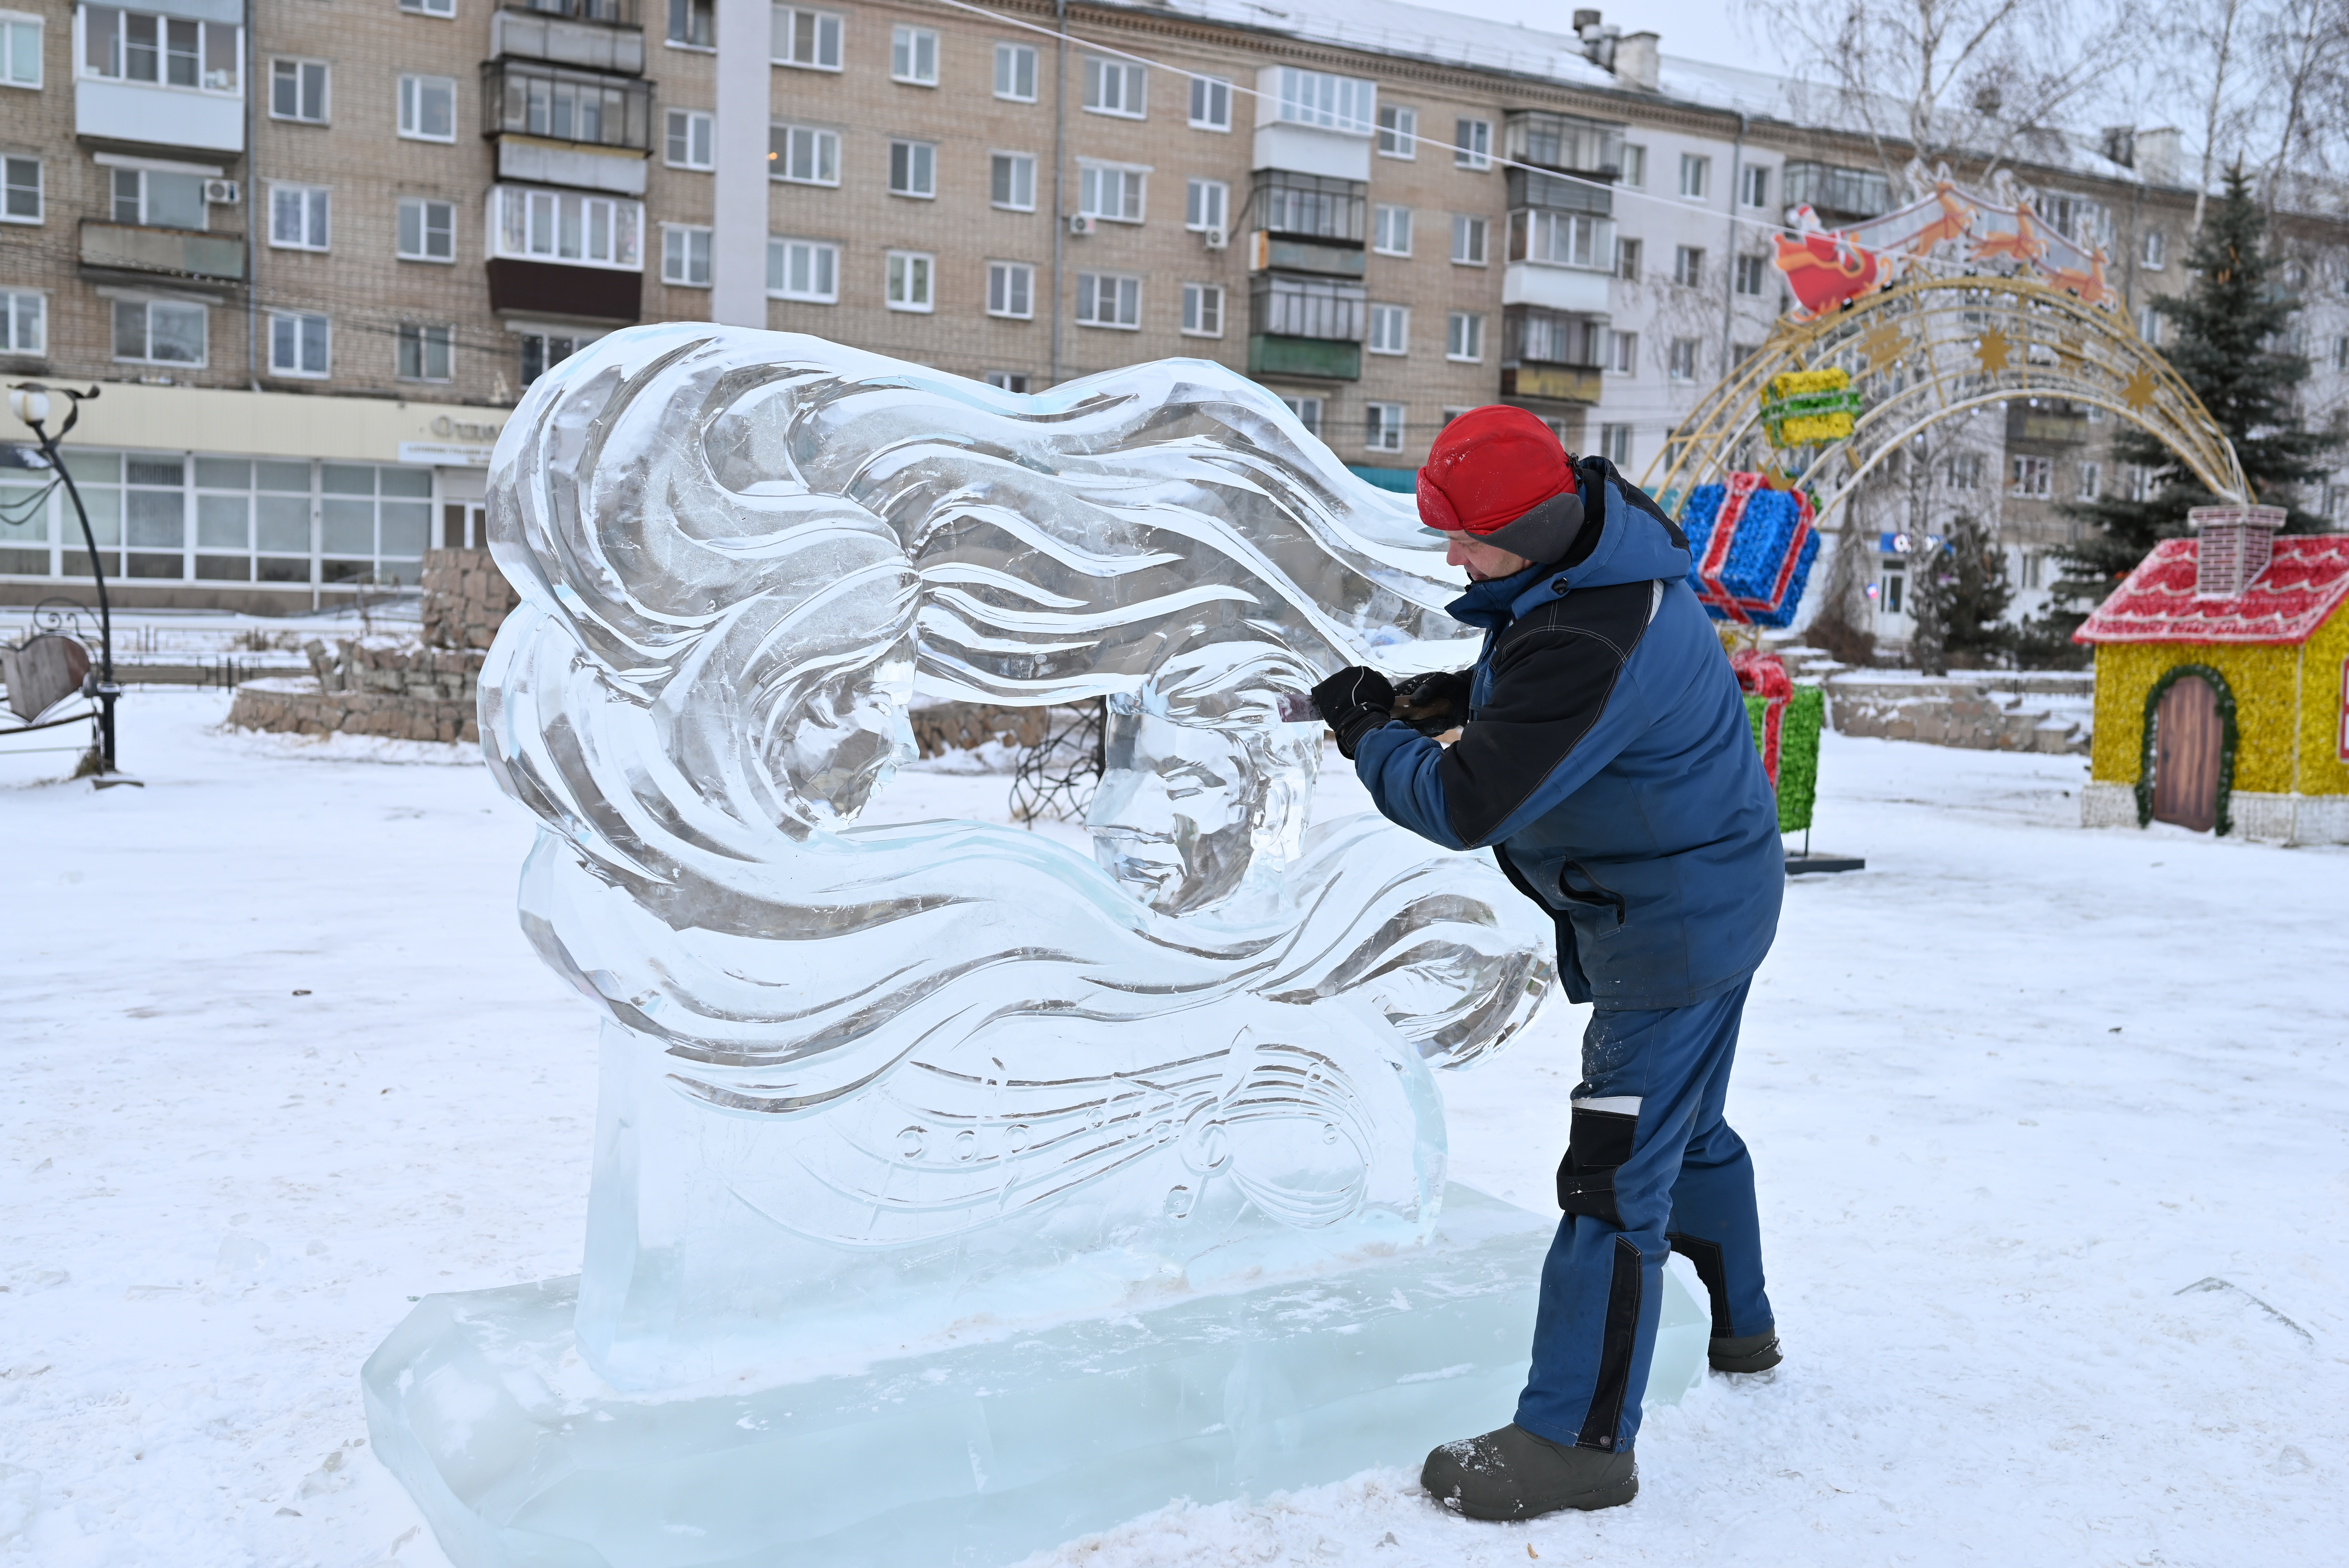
1597, 1144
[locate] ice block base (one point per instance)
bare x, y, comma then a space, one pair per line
970, 1453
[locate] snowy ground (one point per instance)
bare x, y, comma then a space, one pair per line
2052, 1130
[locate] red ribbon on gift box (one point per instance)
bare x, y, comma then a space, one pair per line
1764, 675
1741, 488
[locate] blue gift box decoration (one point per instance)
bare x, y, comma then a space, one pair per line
1751, 550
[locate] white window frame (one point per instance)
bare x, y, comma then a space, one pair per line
1463, 338
148, 306
2091, 482
1386, 220
1009, 59
1198, 195
907, 47
1390, 330
2148, 325
621, 217
1130, 100
1685, 360
1326, 100
144, 172
444, 9
13, 313
830, 27
1211, 105
2033, 477
1696, 176
1622, 353
1633, 175
1011, 290
22, 39
1021, 168
302, 321
316, 216
684, 13
1688, 266
1007, 381
1755, 180
1471, 144
422, 334
1382, 426
2153, 250
1200, 302
1132, 183
1615, 444
9, 166
677, 254
911, 280
1471, 240
422, 207
1126, 292
822, 256
300, 77
700, 126
917, 163
412, 87
119, 72
780, 164
1398, 131
1309, 411
1757, 268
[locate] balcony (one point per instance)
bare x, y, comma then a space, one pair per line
1322, 359
591, 35
1268, 250
551, 288
143, 115
559, 126
1551, 383
2051, 424
1565, 141
162, 253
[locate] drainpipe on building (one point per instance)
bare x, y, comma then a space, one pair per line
1729, 282
251, 207
1060, 162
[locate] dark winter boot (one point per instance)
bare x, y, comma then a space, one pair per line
1747, 1353
1512, 1474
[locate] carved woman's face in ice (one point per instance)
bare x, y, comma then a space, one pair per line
849, 733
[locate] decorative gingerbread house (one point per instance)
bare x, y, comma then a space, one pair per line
2222, 684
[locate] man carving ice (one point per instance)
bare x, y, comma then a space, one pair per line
1605, 757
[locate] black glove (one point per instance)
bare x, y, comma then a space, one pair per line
1354, 702
1432, 704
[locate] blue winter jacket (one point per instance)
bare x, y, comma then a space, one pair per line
1608, 762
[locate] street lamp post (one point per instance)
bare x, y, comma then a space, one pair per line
29, 401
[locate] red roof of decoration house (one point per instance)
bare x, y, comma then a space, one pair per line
2306, 581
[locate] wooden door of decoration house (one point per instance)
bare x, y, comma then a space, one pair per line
2186, 744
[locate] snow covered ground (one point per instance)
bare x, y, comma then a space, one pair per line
2052, 1130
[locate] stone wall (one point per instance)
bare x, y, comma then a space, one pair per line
466, 599
1985, 712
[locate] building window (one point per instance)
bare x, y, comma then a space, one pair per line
1007, 381
805, 39
297, 217
168, 51
566, 226
914, 57
1390, 329
1615, 444
805, 270
913, 169
692, 23
1623, 352
2154, 250
1011, 182
1382, 426
1398, 131
1688, 265
909, 280
431, 8
1681, 363
684, 255
2091, 482
426, 352
804, 155
20, 190
1750, 272
298, 344
1112, 86
1324, 99
1203, 310
2035, 477
1108, 299
1756, 192
1467, 240
159, 199
1211, 103
1015, 72
20, 51
1391, 232
543, 351
427, 109
691, 141
1895, 582
1635, 167
1011, 290
1471, 144
1627, 260
297, 90
1307, 411
1288, 306
1312, 206
1963, 472
1562, 239
1109, 191
1463, 338
2148, 325
428, 230
23, 321
1696, 171
1204, 204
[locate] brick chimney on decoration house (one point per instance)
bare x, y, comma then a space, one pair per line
2236, 544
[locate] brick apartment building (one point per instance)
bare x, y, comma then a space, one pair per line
315, 249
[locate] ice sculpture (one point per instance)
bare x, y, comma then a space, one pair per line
881, 1096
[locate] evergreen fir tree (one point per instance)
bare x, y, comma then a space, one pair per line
1959, 600
2230, 327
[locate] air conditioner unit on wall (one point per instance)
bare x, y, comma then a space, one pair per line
1215, 238
221, 192
1080, 222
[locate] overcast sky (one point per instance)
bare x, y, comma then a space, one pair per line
1707, 30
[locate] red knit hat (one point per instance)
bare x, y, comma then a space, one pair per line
1498, 473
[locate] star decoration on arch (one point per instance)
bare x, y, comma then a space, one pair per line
1992, 351
2137, 392
1884, 345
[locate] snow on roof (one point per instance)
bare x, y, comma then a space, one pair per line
1411, 32
2305, 582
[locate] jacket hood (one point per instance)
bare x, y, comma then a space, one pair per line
1636, 543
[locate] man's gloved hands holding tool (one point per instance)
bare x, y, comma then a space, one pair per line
1354, 702
1433, 704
